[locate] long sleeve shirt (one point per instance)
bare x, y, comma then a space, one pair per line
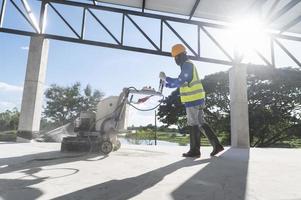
185, 76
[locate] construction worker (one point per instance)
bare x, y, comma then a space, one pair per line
192, 96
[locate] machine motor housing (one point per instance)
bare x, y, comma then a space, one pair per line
85, 122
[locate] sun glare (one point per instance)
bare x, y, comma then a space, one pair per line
248, 34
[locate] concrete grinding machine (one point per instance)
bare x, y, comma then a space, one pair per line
97, 132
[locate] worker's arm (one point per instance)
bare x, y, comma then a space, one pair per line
185, 76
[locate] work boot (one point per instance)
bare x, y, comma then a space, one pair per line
191, 143
197, 137
194, 138
217, 147
191, 154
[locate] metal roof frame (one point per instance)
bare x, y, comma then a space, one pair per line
157, 49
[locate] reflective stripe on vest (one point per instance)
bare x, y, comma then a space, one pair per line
194, 90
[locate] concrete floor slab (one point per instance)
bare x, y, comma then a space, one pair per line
148, 172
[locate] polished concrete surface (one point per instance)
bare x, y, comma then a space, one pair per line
40, 171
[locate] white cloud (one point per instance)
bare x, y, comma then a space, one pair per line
4, 87
7, 106
25, 48
10, 96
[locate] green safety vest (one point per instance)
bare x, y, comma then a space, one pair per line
194, 90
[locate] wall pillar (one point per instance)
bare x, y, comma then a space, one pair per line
31, 107
240, 137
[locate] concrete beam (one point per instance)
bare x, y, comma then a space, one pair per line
31, 108
240, 137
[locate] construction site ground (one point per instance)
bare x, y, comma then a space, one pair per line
40, 171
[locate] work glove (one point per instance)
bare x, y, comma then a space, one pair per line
162, 76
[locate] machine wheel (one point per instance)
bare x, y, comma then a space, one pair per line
117, 145
106, 147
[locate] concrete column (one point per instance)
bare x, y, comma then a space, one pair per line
31, 108
239, 107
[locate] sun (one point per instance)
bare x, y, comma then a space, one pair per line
247, 35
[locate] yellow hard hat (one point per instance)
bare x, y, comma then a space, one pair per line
177, 49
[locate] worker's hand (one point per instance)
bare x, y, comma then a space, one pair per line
162, 76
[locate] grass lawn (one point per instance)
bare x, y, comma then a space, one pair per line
8, 136
167, 136
294, 143
180, 139
175, 137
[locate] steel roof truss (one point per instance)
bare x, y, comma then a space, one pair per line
122, 29
107, 30
272, 51
263, 57
64, 20
284, 10
143, 5
290, 24
288, 52
30, 15
179, 36
272, 9
82, 34
26, 17
2, 11
141, 31
164, 21
43, 16
216, 43
194, 8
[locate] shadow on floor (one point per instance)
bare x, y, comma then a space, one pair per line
225, 174
12, 189
27, 168
224, 178
12, 164
130, 187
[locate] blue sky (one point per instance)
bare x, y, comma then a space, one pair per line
106, 69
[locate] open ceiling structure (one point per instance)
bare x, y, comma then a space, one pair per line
282, 20
281, 15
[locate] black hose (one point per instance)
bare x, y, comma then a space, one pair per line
144, 110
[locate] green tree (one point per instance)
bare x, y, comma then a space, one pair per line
90, 100
172, 112
63, 104
9, 120
274, 104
